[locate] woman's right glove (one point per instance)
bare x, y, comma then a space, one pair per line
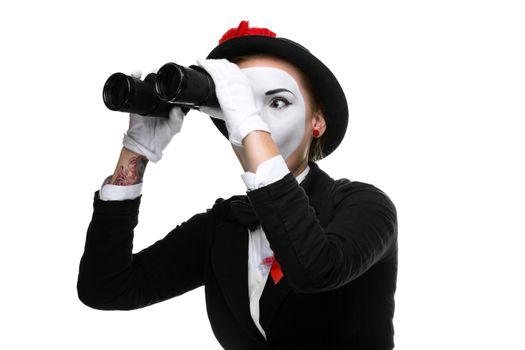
235, 95
149, 136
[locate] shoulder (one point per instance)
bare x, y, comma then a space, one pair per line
221, 209
222, 203
362, 194
348, 194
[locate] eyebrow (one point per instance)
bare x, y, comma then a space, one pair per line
276, 91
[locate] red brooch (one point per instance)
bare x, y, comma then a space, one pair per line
244, 30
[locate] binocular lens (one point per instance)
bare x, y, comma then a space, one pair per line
117, 91
168, 82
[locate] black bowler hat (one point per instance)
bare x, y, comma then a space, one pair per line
243, 41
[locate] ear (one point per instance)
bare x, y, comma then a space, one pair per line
318, 122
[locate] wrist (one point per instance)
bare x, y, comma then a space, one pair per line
137, 148
126, 153
258, 147
130, 168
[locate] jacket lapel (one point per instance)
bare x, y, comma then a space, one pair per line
229, 258
271, 299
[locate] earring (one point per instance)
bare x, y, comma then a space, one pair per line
315, 133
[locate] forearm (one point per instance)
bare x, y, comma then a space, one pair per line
130, 168
258, 147
317, 256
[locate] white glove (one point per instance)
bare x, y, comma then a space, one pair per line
235, 95
149, 136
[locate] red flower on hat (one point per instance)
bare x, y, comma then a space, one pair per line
244, 30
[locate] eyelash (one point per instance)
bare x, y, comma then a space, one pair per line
281, 99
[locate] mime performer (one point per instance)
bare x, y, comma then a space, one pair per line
302, 260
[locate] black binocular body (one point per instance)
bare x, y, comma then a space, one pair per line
188, 87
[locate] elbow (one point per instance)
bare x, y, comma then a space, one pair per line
92, 297
303, 284
89, 301
93, 304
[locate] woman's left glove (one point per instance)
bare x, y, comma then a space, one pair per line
235, 95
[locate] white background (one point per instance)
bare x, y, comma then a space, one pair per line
436, 95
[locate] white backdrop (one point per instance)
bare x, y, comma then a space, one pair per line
436, 95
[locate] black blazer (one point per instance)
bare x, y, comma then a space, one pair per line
336, 242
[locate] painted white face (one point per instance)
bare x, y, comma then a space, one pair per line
280, 104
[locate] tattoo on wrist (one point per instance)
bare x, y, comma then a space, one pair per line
133, 173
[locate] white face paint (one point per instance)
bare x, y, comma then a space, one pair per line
280, 104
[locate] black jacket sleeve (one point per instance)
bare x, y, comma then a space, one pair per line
362, 230
112, 278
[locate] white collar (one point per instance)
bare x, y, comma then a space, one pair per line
302, 175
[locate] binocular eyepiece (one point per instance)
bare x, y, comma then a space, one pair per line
188, 87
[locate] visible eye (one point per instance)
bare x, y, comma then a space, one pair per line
279, 102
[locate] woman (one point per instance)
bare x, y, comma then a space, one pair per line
300, 262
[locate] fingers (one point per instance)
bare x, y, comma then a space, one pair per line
134, 119
136, 74
176, 113
176, 118
218, 68
212, 112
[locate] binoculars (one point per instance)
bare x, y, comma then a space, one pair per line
187, 87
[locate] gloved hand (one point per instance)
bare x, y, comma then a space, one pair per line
149, 136
235, 95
